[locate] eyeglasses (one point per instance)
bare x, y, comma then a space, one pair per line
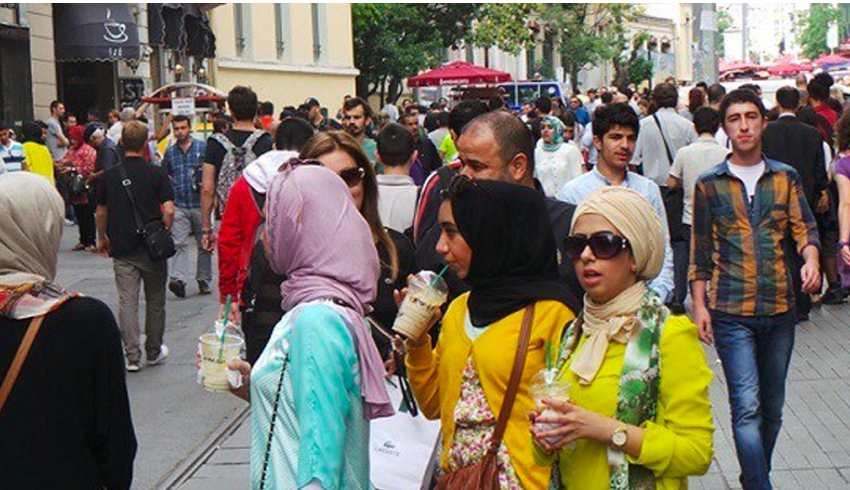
351, 176
604, 245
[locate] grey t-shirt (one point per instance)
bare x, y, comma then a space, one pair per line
54, 130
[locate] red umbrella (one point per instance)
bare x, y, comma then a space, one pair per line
788, 68
458, 73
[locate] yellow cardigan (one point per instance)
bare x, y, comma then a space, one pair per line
435, 375
679, 442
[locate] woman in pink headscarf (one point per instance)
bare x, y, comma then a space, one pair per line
80, 158
319, 380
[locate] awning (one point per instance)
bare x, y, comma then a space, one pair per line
181, 27
95, 32
458, 73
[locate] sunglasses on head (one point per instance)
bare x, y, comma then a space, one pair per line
351, 176
604, 245
459, 184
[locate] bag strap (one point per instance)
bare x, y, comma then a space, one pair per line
18, 361
666, 147
126, 183
513, 384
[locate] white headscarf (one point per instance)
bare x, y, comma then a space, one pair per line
260, 172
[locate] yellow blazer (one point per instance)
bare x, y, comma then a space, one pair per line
435, 375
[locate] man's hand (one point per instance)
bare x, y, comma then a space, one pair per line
702, 318
845, 254
811, 276
208, 241
823, 203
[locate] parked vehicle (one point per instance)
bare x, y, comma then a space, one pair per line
522, 92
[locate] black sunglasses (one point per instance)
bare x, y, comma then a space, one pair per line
604, 245
351, 176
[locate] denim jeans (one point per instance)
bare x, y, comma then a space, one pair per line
681, 258
755, 352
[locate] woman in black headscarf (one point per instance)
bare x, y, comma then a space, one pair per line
496, 237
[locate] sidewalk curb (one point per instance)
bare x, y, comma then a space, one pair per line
185, 470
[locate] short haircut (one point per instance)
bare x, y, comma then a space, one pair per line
55, 104
292, 134
591, 91
817, 90
410, 108
357, 102
716, 93
665, 95
510, 133
568, 118
242, 102
311, 102
182, 118
741, 96
706, 120
134, 135
407, 115
266, 108
4, 126
702, 85
464, 112
496, 103
752, 87
824, 79
543, 104
443, 119
610, 115
606, 98
395, 145
788, 98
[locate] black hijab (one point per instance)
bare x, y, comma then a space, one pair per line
514, 261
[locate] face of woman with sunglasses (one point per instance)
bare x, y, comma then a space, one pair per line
452, 246
602, 279
339, 161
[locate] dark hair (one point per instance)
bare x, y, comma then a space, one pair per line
543, 104
754, 88
55, 104
772, 114
665, 95
182, 118
696, 99
824, 79
326, 142
842, 131
292, 134
357, 102
222, 123
817, 91
496, 103
4, 126
568, 118
242, 102
706, 120
606, 98
406, 116
610, 115
31, 131
410, 108
395, 145
715, 93
510, 133
741, 96
266, 108
311, 102
443, 119
464, 112
788, 98
702, 85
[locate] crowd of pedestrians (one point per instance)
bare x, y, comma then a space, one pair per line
594, 240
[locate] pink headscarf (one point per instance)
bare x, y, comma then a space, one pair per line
322, 244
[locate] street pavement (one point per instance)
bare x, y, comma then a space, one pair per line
813, 451
173, 416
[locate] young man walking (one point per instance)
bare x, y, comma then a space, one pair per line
743, 210
183, 162
397, 192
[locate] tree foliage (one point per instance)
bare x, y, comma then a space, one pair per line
814, 26
724, 22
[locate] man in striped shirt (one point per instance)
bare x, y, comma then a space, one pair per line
11, 152
743, 210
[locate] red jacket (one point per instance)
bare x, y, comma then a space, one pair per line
236, 238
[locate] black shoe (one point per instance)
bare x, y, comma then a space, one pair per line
802, 317
178, 288
834, 296
203, 288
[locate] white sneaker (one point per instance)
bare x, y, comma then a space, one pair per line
163, 353
133, 367
68, 222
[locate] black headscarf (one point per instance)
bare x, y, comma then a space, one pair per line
514, 261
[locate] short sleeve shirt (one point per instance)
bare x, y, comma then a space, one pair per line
54, 131
215, 153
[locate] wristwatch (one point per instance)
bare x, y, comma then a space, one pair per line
843, 244
620, 437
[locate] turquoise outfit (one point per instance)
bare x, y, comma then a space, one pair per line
320, 434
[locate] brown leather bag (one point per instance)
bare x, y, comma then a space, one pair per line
484, 475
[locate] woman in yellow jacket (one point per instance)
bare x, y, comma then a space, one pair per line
38, 158
497, 237
638, 415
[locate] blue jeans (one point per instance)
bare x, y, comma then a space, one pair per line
755, 352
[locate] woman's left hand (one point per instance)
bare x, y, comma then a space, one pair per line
574, 422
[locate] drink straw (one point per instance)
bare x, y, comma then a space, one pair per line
224, 318
443, 271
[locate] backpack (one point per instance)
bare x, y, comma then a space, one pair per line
235, 161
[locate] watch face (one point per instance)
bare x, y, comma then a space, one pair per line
619, 439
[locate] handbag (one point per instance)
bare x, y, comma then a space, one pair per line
77, 184
673, 198
484, 475
158, 240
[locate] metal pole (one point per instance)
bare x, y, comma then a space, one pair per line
744, 34
707, 48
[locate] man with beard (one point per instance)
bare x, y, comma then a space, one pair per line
356, 117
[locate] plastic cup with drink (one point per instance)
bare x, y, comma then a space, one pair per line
546, 385
218, 347
426, 293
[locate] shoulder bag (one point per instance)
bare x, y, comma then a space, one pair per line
485, 474
158, 241
674, 198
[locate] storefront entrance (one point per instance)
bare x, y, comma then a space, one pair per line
87, 85
15, 75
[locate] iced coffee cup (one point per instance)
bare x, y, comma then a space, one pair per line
426, 292
214, 358
546, 385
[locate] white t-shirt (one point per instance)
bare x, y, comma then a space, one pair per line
750, 175
396, 201
555, 168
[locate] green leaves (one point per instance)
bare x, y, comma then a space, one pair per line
814, 26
